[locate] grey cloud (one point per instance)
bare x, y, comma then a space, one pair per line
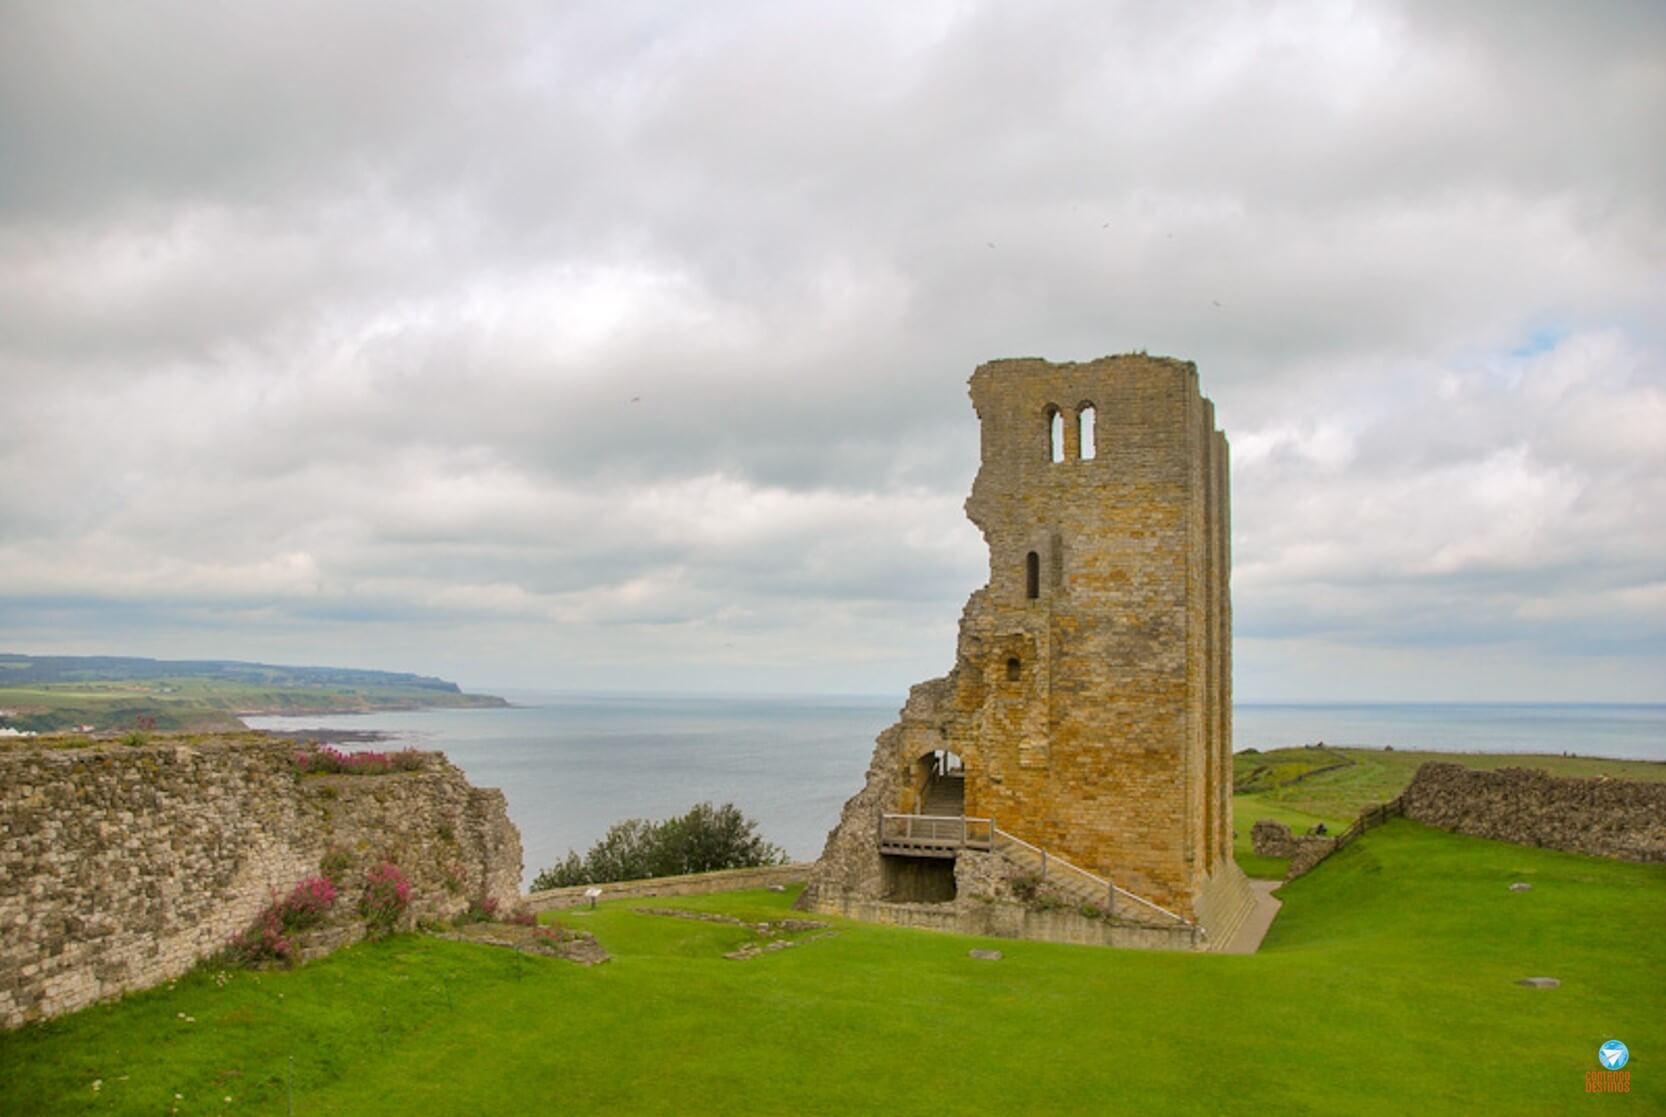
525, 323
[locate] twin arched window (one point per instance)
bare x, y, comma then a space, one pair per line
1087, 444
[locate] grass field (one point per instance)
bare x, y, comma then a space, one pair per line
1387, 985
197, 704
1301, 787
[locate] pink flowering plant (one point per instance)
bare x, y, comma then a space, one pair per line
266, 941
308, 903
386, 896
270, 938
327, 759
480, 910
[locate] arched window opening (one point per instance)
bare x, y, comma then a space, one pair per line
1015, 669
1055, 431
1032, 575
1084, 429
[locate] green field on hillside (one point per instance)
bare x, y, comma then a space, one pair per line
1387, 985
112, 694
1302, 787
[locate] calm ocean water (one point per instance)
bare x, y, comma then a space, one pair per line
572, 764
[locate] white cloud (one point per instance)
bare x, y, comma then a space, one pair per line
631, 345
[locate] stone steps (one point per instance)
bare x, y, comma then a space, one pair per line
945, 796
1066, 884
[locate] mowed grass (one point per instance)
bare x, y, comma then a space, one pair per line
1387, 985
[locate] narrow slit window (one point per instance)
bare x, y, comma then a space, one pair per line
1032, 575
1084, 430
1014, 669
1055, 429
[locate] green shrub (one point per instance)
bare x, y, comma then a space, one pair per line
1025, 886
386, 896
335, 865
705, 839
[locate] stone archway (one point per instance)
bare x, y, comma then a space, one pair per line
940, 777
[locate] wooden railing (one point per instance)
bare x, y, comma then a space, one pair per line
934, 835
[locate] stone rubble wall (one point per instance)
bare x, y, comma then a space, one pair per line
1599, 816
121, 867
850, 863
1271, 838
691, 884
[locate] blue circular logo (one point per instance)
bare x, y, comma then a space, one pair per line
1613, 1055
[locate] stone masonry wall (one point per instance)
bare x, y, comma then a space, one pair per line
1604, 817
1090, 698
123, 866
689, 884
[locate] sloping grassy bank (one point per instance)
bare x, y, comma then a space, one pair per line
1386, 986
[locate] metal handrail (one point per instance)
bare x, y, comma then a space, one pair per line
1050, 859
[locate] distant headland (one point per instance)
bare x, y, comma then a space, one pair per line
108, 694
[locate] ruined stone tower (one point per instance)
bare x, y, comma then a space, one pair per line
1088, 717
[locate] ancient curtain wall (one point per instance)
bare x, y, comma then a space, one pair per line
1607, 818
121, 867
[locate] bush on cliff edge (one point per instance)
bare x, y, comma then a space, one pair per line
704, 839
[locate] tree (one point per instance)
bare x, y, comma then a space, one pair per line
704, 839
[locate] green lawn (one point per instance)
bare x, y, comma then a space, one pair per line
1386, 986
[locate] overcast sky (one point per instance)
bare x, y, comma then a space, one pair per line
625, 345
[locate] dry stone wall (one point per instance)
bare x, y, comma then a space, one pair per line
123, 866
1604, 817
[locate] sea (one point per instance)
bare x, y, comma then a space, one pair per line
573, 764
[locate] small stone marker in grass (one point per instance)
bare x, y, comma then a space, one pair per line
777, 888
986, 955
1521, 886
1539, 982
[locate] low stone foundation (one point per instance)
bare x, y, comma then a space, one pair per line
1012, 921
723, 880
1225, 901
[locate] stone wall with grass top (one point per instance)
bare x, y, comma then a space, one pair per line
1605, 817
124, 865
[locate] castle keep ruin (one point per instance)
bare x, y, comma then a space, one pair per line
1082, 743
